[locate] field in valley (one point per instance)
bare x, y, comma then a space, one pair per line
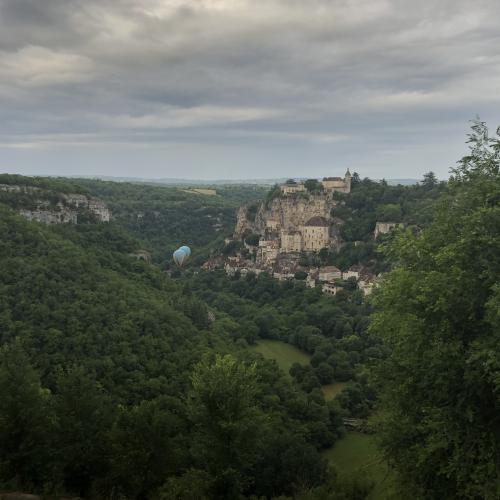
356, 455
331, 390
284, 354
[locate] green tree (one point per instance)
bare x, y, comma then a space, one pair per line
85, 415
226, 423
252, 239
389, 213
26, 423
313, 185
430, 180
437, 314
147, 445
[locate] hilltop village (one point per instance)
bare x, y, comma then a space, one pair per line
297, 219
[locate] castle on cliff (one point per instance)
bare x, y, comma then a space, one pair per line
329, 184
299, 218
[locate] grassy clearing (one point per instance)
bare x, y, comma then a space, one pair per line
284, 354
356, 454
331, 390
206, 192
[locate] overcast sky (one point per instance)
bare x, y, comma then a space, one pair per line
215, 89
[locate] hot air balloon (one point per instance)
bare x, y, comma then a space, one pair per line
181, 255
186, 249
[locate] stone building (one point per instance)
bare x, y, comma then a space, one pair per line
338, 184
315, 234
385, 227
293, 188
330, 288
272, 224
291, 241
366, 286
352, 272
268, 251
329, 273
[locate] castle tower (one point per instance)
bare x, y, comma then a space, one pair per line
347, 180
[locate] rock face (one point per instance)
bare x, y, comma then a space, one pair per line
294, 211
385, 227
51, 207
285, 212
60, 216
291, 223
241, 223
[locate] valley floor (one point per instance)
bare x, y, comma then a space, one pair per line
356, 453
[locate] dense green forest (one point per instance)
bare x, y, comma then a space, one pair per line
438, 317
333, 330
370, 202
161, 218
117, 381
164, 218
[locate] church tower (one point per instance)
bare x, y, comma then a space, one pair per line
347, 181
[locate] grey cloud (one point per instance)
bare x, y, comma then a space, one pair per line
369, 83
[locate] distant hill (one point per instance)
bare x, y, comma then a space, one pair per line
221, 182
403, 182
186, 182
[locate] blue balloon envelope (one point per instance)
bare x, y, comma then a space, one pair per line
186, 249
181, 255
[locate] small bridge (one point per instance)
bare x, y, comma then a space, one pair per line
352, 422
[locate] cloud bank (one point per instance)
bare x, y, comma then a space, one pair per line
240, 89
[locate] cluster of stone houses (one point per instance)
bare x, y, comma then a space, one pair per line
312, 235
330, 278
309, 237
296, 222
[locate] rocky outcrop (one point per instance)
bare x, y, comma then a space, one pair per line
293, 211
242, 224
285, 212
51, 207
61, 215
385, 227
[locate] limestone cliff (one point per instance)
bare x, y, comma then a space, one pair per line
51, 207
284, 212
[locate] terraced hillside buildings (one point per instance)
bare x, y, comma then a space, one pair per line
298, 218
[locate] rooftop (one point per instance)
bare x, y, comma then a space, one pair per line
329, 269
317, 221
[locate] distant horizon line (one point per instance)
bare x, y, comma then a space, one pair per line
193, 180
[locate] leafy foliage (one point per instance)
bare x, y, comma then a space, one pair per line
102, 389
164, 218
437, 314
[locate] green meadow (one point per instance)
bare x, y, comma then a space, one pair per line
331, 390
356, 455
284, 354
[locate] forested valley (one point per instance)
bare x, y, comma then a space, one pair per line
122, 379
